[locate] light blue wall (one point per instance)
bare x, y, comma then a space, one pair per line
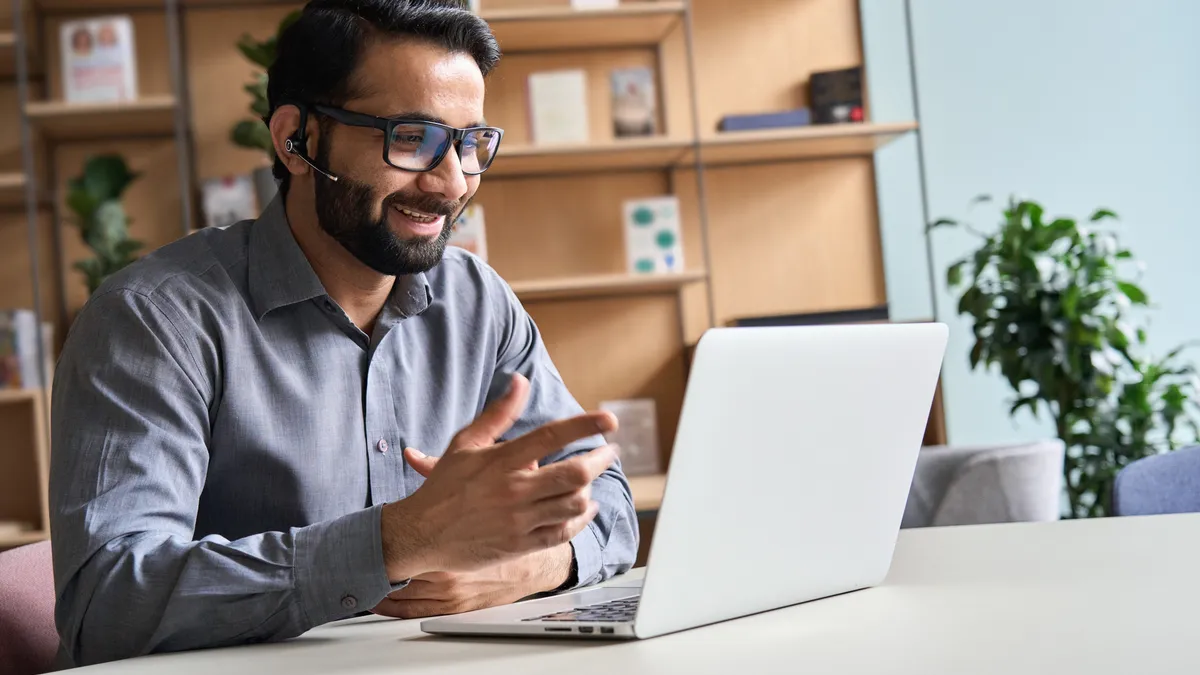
1075, 103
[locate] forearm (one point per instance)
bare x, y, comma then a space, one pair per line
153, 592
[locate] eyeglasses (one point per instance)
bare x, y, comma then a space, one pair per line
419, 145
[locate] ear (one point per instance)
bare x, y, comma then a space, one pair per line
285, 121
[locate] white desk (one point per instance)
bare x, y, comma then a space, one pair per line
1094, 597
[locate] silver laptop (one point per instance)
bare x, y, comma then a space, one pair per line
791, 467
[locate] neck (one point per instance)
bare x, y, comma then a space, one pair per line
358, 289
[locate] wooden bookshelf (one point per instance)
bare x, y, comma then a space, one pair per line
554, 28
604, 285
620, 155
647, 491
62, 121
823, 141
792, 211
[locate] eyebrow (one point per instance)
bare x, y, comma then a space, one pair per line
426, 117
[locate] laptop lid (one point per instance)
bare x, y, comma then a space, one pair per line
792, 463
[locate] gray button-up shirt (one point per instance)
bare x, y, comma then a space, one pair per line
224, 439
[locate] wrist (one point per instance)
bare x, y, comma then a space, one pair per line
405, 547
557, 568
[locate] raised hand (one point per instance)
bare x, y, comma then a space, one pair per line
484, 503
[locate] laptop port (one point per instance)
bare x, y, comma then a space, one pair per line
607, 630
556, 629
586, 629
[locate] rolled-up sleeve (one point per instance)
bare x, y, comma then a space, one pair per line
608, 546
130, 432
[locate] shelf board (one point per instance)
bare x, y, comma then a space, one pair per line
623, 154
647, 491
61, 121
18, 395
30, 537
809, 142
12, 195
604, 285
72, 6
544, 29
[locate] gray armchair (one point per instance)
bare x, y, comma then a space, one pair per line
974, 485
1168, 483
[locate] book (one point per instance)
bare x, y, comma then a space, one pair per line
799, 117
634, 104
228, 200
653, 237
19, 349
595, 4
469, 232
98, 60
636, 435
558, 107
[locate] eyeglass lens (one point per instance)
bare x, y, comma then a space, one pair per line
417, 147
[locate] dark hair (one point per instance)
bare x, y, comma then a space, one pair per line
317, 55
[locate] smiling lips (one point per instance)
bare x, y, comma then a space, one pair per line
419, 224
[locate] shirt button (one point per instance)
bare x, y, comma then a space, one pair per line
383, 446
329, 307
349, 602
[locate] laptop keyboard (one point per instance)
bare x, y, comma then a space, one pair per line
613, 611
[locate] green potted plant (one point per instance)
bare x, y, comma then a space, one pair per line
94, 197
1055, 309
253, 134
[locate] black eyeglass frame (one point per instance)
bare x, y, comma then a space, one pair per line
388, 124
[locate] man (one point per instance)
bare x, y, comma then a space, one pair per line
240, 419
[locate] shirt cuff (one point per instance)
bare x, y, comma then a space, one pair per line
339, 566
587, 556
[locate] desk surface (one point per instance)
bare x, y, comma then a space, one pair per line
1095, 597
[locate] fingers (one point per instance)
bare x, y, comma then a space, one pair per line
571, 475
496, 419
419, 461
558, 534
559, 509
553, 437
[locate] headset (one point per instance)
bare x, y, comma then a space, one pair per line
298, 145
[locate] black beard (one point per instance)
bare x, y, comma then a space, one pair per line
344, 213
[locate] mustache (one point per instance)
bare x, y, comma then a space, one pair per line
424, 203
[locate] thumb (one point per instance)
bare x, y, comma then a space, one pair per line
496, 419
420, 462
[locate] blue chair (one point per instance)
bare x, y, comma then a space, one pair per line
1167, 483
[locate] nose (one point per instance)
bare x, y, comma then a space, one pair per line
446, 179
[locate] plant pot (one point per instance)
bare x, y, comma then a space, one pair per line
265, 187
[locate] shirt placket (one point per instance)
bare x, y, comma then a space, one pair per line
385, 461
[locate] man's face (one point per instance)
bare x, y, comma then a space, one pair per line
398, 222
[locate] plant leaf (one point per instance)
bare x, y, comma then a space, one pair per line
954, 273
253, 134
1101, 214
105, 177
976, 353
1135, 294
1030, 402
941, 222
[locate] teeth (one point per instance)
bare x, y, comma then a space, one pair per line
420, 217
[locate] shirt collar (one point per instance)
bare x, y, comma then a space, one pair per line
280, 274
